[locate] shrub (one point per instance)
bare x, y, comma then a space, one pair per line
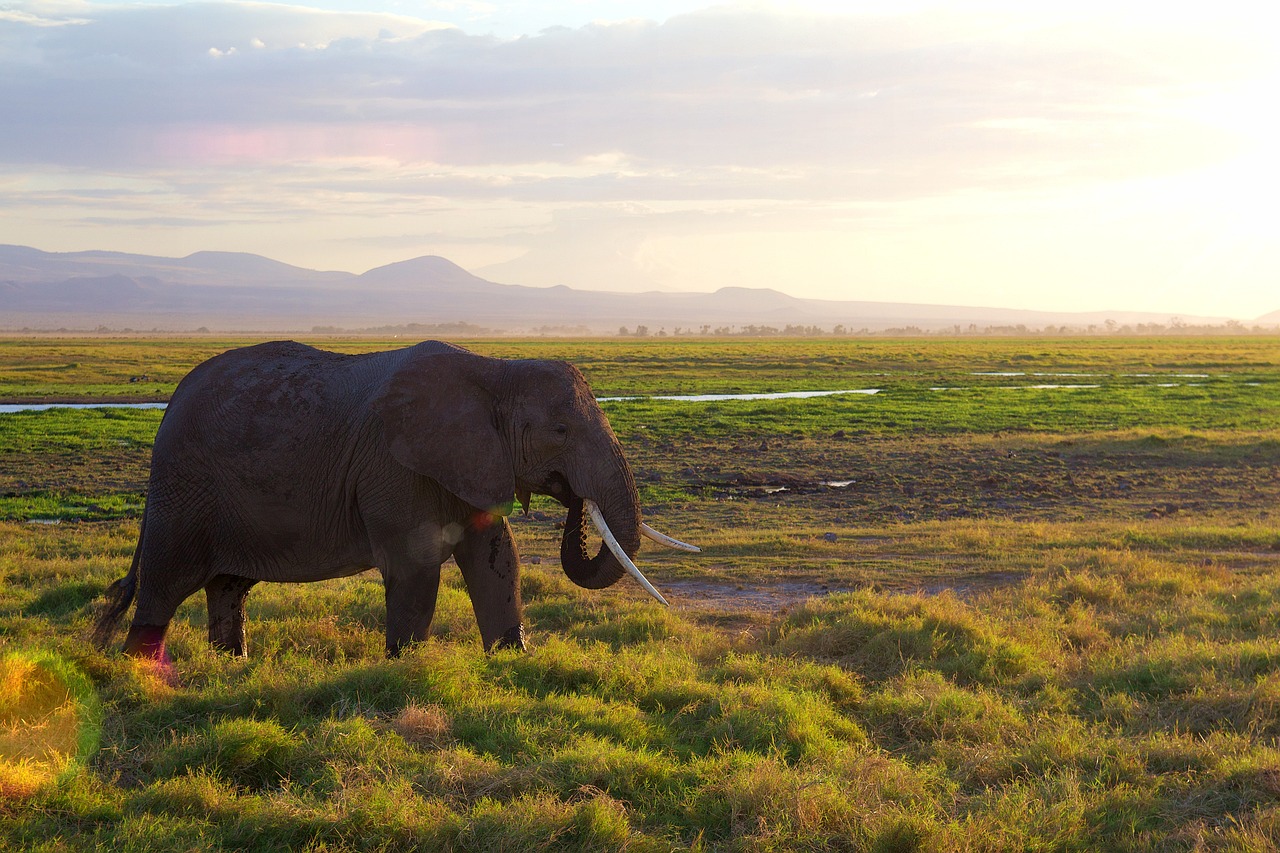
248, 753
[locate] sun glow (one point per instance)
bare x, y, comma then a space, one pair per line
1244, 187
49, 721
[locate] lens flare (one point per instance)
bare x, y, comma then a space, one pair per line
156, 679
50, 721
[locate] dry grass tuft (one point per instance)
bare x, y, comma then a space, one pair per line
21, 779
427, 726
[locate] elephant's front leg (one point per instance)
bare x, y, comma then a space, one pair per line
491, 568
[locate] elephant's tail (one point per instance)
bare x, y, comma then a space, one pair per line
119, 596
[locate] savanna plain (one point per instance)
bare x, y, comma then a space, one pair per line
1025, 596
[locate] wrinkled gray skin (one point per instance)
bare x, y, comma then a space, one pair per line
284, 463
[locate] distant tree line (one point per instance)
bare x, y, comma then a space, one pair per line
1108, 327
707, 330
410, 330
462, 329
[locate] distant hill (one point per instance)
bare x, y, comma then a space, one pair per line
233, 291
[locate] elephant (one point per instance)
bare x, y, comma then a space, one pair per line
281, 462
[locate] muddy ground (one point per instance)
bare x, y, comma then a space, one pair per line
794, 517
791, 519
859, 479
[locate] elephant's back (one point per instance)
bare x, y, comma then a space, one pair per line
297, 366
258, 377
268, 398
280, 396
244, 366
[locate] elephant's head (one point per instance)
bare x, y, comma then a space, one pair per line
492, 429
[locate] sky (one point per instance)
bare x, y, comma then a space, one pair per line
1105, 156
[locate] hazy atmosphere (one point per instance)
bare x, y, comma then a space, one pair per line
436, 425
1117, 156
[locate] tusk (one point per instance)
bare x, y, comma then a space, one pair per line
664, 539
597, 518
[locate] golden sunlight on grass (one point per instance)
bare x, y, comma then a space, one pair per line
47, 721
155, 680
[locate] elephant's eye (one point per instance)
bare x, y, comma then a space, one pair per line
560, 429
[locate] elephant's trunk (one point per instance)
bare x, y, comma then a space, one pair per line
622, 514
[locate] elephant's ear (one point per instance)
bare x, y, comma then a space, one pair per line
439, 418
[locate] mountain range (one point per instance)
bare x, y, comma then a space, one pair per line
229, 291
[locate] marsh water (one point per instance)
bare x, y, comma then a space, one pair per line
715, 398
12, 408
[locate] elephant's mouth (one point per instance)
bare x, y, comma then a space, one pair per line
575, 558
556, 486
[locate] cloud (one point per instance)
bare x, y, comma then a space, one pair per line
605, 145
230, 83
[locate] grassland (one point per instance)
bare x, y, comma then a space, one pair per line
991, 617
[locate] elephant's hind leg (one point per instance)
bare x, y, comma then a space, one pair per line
146, 641
158, 599
225, 595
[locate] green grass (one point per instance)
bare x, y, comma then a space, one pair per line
87, 368
1110, 701
1031, 620
907, 409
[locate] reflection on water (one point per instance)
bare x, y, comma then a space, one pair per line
714, 398
1010, 387
12, 408
1059, 387
782, 395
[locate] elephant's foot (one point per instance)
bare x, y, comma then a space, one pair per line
512, 639
234, 646
394, 650
147, 641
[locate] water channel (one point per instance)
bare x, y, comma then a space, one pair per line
12, 408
